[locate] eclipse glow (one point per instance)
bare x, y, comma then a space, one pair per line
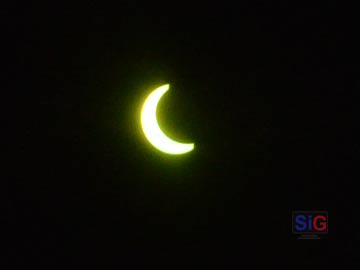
151, 127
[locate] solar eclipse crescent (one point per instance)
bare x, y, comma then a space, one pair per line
152, 130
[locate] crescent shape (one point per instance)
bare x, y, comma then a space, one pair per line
151, 127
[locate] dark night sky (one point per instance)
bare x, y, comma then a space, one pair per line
265, 91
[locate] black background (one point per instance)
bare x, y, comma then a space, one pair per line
266, 91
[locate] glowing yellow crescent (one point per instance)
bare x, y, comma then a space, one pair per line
151, 127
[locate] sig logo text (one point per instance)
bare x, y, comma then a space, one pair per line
310, 224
